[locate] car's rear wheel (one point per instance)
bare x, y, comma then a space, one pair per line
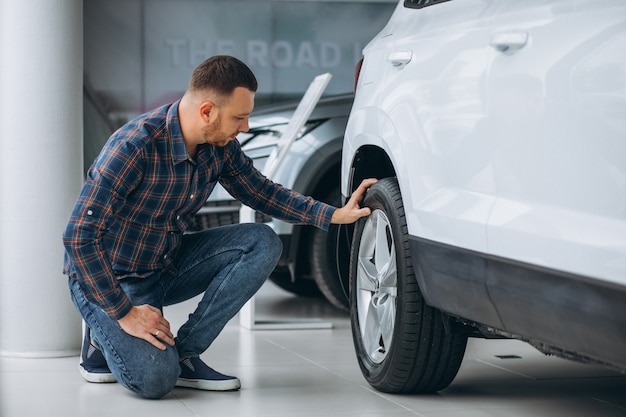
401, 343
323, 259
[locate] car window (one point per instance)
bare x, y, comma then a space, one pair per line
418, 4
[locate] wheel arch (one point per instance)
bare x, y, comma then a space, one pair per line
370, 162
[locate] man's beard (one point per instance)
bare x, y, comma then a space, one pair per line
213, 133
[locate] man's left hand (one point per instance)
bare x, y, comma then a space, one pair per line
352, 211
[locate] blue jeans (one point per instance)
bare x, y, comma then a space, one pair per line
228, 264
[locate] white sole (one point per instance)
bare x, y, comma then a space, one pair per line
224, 385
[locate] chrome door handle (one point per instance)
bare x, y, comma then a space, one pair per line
509, 42
398, 58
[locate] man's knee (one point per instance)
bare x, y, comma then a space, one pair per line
269, 240
157, 375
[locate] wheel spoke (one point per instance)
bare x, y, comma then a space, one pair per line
389, 283
367, 274
390, 274
367, 270
385, 251
368, 241
372, 331
363, 304
382, 249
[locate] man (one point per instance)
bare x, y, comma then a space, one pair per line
126, 252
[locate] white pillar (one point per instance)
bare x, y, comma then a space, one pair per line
41, 142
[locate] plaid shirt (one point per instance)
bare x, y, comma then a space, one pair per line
142, 193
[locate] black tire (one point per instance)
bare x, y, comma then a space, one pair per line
303, 287
405, 347
323, 259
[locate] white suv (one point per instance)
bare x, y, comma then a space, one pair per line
498, 130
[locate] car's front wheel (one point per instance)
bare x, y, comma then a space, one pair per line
401, 343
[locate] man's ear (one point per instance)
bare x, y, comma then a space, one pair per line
208, 111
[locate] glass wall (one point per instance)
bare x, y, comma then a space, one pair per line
139, 53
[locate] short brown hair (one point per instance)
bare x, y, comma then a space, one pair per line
222, 73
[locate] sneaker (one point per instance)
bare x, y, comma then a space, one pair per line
93, 367
196, 374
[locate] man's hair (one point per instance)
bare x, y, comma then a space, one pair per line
222, 74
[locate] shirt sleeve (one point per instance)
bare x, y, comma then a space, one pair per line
253, 189
112, 177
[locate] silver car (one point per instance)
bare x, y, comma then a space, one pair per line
308, 265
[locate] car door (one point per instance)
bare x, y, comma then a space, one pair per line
557, 104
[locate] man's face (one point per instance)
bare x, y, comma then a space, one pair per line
231, 118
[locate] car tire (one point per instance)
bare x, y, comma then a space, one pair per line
402, 344
323, 259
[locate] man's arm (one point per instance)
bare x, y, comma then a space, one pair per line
87, 261
246, 183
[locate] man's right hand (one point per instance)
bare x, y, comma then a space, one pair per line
146, 322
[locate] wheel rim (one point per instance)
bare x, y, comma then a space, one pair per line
376, 286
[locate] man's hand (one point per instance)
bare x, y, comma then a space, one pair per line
352, 211
147, 322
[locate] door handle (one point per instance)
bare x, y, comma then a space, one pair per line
398, 58
509, 42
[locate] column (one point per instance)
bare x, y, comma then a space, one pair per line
41, 142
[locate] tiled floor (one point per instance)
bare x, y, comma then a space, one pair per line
313, 373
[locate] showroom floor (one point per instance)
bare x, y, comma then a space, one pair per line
314, 373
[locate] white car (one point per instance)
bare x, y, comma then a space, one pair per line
498, 132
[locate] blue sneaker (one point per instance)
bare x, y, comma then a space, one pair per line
196, 374
93, 367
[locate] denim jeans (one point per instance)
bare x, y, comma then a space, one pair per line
228, 264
